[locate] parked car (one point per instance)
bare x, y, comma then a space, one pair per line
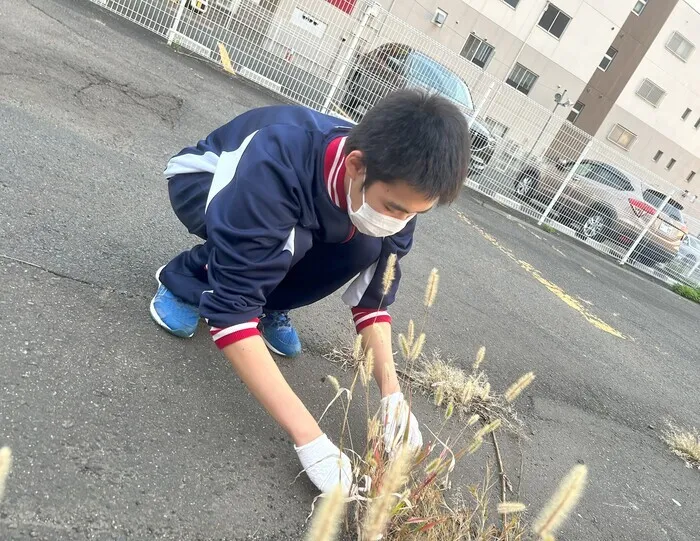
689, 253
604, 203
394, 65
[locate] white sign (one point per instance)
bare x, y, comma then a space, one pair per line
308, 22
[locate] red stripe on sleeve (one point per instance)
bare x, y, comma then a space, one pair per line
230, 335
364, 317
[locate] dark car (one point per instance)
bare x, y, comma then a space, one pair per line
394, 65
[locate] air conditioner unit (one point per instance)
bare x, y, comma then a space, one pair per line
198, 6
440, 17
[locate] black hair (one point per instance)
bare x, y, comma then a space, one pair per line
416, 137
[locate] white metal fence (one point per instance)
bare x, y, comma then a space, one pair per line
342, 56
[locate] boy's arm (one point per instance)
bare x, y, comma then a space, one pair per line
256, 368
369, 295
378, 338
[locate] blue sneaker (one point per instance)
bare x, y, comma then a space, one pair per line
279, 335
172, 313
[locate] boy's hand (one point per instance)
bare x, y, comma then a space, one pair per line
396, 418
326, 465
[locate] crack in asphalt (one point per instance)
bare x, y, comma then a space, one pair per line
72, 278
166, 106
59, 21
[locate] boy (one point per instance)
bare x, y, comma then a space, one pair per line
291, 205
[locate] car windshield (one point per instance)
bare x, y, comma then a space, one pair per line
426, 72
655, 199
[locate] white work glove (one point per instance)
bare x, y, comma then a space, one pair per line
325, 464
396, 416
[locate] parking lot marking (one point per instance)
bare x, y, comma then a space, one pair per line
558, 250
225, 59
554, 288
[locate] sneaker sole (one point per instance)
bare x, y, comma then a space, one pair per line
157, 318
275, 350
160, 322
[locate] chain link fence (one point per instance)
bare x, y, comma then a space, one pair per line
342, 56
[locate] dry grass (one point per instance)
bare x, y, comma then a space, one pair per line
684, 443
403, 496
419, 508
468, 393
343, 357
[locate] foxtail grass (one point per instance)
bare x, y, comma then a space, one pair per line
5, 466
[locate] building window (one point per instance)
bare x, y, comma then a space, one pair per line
522, 79
496, 128
650, 92
671, 163
639, 7
622, 137
607, 59
554, 20
439, 18
686, 113
575, 112
680, 46
477, 51
658, 155
691, 176
512, 3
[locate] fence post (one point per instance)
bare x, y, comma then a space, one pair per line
370, 10
176, 21
646, 228
479, 107
568, 178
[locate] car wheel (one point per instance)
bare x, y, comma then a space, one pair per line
525, 185
595, 225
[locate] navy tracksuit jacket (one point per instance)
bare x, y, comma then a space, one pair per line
266, 194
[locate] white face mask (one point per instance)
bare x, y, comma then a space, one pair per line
370, 222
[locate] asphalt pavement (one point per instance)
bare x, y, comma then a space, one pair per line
123, 432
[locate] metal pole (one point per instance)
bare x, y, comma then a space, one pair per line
646, 228
369, 11
568, 178
693, 269
483, 101
557, 104
176, 22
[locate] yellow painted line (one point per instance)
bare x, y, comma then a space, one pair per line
226, 59
554, 288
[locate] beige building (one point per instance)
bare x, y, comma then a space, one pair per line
653, 108
535, 45
629, 66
